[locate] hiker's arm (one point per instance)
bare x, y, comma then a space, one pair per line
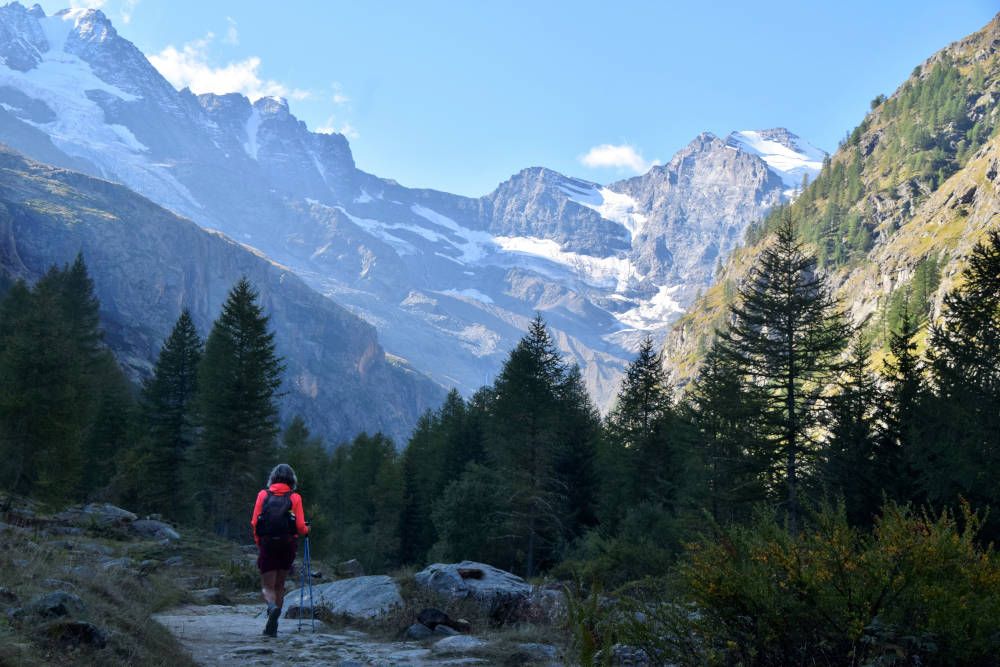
300, 515
256, 512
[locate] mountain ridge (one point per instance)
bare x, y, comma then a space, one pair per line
430, 269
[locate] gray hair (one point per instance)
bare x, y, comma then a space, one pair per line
283, 473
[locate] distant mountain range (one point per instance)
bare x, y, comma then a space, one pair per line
449, 282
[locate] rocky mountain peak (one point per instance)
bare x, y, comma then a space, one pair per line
786, 154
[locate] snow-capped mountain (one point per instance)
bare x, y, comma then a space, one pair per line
450, 282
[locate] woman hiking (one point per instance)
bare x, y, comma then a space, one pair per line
277, 521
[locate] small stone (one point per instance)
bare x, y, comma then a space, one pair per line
174, 561
445, 630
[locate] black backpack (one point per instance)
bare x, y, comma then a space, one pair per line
276, 519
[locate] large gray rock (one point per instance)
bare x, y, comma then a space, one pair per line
99, 514
54, 604
156, 529
360, 598
457, 644
483, 582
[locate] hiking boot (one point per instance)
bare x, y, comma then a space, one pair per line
271, 629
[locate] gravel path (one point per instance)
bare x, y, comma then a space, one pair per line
228, 635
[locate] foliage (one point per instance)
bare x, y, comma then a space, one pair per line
238, 380
920, 587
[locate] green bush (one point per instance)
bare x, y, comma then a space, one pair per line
919, 589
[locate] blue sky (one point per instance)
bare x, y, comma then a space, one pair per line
460, 95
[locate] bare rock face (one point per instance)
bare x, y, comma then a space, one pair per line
605, 264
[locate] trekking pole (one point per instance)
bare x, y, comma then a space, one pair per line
312, 606
302, 587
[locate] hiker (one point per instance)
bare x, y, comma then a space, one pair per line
277, 521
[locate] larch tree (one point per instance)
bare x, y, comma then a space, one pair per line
786, 335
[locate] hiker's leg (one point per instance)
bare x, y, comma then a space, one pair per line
279, 586
268, 586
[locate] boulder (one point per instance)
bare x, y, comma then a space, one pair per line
100, 514
623, 655
433, 618
54, 604
445, 630
155, 529
418, 632
457, 644
537, 651
483, 582
209, 596
74, 633
359, 598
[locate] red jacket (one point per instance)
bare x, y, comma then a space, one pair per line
279, 489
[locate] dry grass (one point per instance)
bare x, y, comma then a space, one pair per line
34, 560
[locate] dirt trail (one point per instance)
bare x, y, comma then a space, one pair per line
227, 635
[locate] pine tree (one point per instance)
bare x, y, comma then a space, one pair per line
238, 381
638, 458
168, 409
524, 445
851, 468
964, 361
786, 334
900, 455
727, 414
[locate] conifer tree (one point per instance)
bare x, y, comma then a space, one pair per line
786, 334
964, 360
238, 380
639, 458
852, 468
900, 456
168, 408
727, 414
524, 445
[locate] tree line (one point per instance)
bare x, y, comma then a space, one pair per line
787, 412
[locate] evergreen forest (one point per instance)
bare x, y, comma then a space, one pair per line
798, 500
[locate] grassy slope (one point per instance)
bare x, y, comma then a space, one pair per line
913, 200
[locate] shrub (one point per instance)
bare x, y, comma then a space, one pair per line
919, 589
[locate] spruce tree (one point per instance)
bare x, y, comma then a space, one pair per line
852, 469
964, 361
168, 409
786, 334
727, 414
524, 444
238, 380
639, 458
901, 457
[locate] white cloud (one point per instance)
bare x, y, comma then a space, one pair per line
189, 67
330, 127
339, 98
621, 156
128, 8
232, 34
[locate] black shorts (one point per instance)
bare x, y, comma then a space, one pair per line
276, 554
